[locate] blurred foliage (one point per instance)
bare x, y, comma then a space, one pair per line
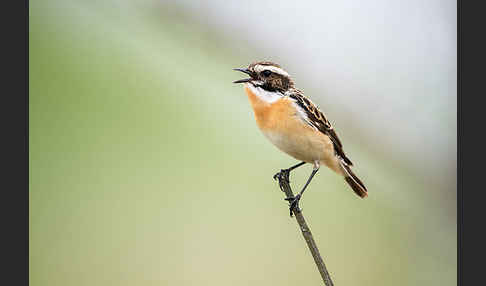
146, 168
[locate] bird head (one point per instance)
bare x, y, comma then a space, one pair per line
267, 75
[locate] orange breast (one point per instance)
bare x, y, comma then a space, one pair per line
281, 124
270, 116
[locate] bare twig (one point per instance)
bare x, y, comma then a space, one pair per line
283, 180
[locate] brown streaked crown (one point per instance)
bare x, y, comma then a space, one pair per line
265, 63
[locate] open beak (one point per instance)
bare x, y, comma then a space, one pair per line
243, 80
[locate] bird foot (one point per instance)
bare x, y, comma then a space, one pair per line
282, 175
283, 178
294, 204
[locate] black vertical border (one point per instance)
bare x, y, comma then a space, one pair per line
471, 172
14, 138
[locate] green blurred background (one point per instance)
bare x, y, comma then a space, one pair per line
147, 168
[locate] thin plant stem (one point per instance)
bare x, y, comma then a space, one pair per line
284, 183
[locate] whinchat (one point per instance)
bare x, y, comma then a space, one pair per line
295, 125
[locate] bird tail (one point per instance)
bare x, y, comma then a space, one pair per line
353, 181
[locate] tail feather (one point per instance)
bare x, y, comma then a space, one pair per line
353, 181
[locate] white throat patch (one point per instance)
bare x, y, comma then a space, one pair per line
266, 96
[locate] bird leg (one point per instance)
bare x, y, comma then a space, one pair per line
294, 202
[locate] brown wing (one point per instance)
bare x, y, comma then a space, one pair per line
319, 121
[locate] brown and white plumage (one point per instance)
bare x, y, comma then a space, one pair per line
294, 124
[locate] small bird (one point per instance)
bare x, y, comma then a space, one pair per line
295, 125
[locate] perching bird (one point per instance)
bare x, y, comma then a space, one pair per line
295, 125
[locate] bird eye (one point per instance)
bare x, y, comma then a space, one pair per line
266, 73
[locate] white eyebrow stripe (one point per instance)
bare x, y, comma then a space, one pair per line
260, 68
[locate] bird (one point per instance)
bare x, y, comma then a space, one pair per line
295, 125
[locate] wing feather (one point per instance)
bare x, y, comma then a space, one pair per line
317, 119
